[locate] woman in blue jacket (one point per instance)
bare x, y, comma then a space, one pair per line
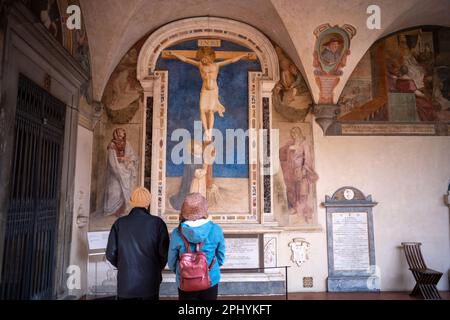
196, 228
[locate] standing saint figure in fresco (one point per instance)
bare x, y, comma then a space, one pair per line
299, 175
121, 174
209, 94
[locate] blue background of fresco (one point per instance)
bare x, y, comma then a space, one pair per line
184, 103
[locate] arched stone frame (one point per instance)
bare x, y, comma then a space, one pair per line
155, 86
205, 27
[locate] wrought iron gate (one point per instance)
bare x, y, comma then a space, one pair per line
29, 257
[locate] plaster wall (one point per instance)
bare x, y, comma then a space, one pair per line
83, 170
408, 177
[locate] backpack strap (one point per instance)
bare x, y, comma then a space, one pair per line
212, 263
186, 243
198, 246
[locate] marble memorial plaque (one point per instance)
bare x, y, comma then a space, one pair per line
350, 241
242, 252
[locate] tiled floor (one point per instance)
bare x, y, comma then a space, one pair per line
315, 296
332, 296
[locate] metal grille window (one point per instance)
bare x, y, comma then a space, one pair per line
32, 221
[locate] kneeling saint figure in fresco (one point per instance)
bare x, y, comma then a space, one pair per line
209, 94
299, 175
194, 175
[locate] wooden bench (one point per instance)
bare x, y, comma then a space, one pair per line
426, 279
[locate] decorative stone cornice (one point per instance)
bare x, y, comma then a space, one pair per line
194, 28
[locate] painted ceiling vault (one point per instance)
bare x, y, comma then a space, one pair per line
113, 26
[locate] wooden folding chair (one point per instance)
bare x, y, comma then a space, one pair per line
426, 279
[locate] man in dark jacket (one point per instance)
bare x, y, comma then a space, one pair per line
137, 247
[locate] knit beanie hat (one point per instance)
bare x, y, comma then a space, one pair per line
140, 198
195, 206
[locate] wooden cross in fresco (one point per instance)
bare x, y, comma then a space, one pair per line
209, 63
210, 43
220, 55
205, 58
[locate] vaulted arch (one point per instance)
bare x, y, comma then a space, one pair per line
194, 28
114, 26
302, 17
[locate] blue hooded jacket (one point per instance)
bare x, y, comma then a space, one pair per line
196, 232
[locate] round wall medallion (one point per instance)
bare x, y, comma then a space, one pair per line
349, 194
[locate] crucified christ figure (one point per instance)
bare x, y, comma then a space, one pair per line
209, 94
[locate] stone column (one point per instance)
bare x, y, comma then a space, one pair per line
149, 85
6, 126
268, 147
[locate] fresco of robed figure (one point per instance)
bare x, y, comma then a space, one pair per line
297, 165
332, 51
294, 176
121, 174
